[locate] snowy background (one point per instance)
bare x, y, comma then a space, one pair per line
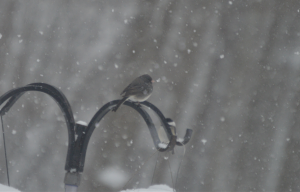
228, 69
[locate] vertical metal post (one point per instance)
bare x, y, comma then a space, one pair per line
72, 181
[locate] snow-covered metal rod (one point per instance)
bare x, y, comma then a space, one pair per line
166, 126
84, 138
79, 135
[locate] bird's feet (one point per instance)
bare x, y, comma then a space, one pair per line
138, 104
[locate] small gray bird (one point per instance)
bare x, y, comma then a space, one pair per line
162, 135
138, 90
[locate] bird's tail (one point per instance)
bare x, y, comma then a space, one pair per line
119, 104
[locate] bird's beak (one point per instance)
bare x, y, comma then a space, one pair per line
153, 81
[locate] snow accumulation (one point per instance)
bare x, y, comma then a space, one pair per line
82, 123
116, 178
162, 145
180, 140
153, 188
4, 188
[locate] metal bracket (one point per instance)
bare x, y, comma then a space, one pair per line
79, 135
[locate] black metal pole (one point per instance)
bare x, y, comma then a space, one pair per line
77, 147
5, 153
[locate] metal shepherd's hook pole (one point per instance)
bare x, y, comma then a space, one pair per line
79, 135
5, 153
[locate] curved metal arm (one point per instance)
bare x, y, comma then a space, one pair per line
103, 111
14, 94
77, 148
166, 126
186, 138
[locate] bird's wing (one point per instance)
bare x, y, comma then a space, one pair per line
133, 88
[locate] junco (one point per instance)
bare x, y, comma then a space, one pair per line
138, 90
163, 135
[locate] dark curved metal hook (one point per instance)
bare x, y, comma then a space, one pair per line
14, 94
188, 133
102, 112
77, 148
